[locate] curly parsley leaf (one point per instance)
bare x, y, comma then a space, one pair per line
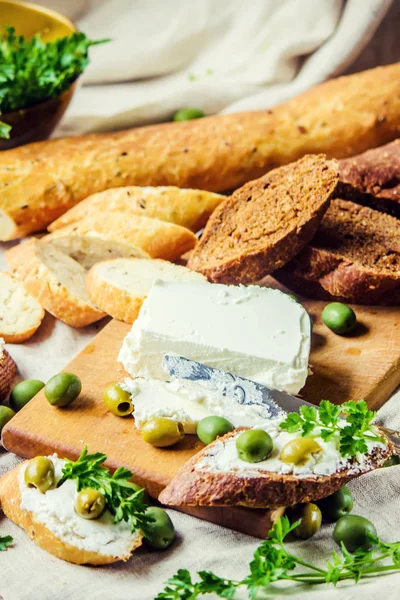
5, 542
32, 71
122, 498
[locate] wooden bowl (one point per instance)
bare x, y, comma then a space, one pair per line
36, 122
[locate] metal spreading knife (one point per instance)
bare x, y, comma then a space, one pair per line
243, 390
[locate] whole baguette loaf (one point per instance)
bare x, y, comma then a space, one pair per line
10, 500
373, 178
187, 208
354, 257
266, 222
198, 484
341, 117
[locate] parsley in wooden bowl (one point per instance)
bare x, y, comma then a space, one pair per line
37, 79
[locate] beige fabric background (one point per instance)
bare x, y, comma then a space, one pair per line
28, 573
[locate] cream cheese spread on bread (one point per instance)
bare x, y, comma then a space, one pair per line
255, 332
223, 457
188, 403
55, 510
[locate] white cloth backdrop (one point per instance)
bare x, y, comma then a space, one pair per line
217, 55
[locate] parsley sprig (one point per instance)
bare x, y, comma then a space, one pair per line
32, 71
5, 542
327, 419
272, 563
122, 498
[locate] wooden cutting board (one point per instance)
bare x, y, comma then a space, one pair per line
364, 365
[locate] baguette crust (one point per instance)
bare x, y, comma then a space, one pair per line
341, 117
8, 370
26, 312
28, 263
266, 222
10, 501
194, 487
185, 207
122, 234
117, 296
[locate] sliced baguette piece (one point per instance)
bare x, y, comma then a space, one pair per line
55, 280
8, 370
185, 207
354, 257
266, 222
119, 286
373, 178
55, 544
201, 483
20, 314
119, 234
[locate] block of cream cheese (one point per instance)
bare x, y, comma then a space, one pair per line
256, 332
188, 403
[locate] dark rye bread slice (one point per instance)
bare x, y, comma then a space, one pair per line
354, 256
195, 485
373, 178
266, 222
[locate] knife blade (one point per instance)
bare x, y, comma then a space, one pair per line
244, 391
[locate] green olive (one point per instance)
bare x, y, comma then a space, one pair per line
337, 505
6, 414
310, 518
162, 432
117, 400
339, 317
353, 531
254, 445
299, 450
392, 461
39, 474
89, 503
161, 530
62, 389
210, 428
23, 392
188, 114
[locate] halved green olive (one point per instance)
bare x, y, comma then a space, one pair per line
310, 518
89, 503
162, 432
39, 473
117, 400
298, 451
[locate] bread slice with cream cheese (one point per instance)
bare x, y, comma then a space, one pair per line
20, 314
55, 280
119, 234
51, 522
216, 476
119, 286
185, 207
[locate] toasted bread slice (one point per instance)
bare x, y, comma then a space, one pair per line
20, 314
185, 207
54, 542
119, 286
55, 280
217, 477
354, 256
119, 234
266, 222
8, 369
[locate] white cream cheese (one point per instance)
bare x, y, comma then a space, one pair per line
188, 403
223, 457
258, 333
55, 509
